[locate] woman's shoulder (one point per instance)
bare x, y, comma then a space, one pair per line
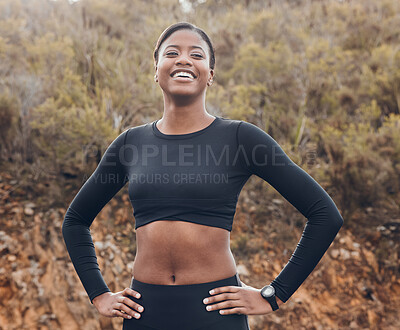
133, 129
229, 122
242, 127
136, 131
241, 123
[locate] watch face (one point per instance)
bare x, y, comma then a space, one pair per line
268, 291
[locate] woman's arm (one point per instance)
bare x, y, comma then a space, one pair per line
108, 178
263, 157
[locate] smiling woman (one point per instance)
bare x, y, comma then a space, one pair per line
185, 174
184, 63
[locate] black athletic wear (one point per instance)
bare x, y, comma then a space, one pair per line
197, 177
181, 307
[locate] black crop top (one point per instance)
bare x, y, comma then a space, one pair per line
197, 177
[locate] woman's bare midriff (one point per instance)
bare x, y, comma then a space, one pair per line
172, 252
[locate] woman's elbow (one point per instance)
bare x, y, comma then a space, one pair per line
337, 223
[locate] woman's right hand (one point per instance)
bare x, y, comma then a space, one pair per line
118, 304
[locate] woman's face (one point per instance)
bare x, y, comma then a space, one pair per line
184, 51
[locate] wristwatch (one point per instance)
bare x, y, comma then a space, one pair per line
268, 293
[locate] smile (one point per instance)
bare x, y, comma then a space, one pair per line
183, 79
183, 75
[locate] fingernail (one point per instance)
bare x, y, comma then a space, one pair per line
140, 309
205, 301
137, 315
208, 308
211, 291
129, 317
137, 295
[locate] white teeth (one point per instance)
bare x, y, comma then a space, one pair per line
183, 74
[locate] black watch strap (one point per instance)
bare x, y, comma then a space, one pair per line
273, 303
268, 293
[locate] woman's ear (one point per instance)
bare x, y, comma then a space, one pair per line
210, 78
155, 74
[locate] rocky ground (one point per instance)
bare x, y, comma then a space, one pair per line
355, 286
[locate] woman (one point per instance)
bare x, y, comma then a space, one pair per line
185, 173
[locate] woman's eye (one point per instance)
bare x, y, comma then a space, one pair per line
175, 53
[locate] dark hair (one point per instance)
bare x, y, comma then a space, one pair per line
188, 26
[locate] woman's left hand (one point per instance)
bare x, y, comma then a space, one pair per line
237, 300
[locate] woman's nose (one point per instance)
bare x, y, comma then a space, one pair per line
183, 59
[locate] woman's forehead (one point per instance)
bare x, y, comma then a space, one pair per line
183, 38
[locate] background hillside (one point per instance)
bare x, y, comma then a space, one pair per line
321, 77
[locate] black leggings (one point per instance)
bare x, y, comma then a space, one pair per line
181, 307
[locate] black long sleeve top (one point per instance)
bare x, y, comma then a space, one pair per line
197, 177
